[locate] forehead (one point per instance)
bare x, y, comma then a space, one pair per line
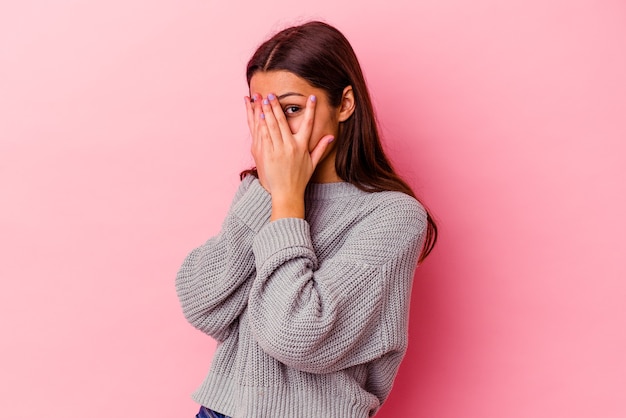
279, 82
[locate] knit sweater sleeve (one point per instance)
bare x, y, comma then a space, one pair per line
214, 280
348, 310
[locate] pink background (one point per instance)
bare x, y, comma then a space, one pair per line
122, 130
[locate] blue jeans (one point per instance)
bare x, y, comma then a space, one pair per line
209, 413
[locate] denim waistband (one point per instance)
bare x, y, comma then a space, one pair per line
209, 413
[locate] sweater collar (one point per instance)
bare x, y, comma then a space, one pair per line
322, 191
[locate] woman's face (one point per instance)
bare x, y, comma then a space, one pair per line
292, 92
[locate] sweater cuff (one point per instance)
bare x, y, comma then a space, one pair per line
255, 207
291, 234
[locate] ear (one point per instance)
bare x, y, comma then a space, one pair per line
347, 104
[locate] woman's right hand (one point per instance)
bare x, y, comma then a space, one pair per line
253, 111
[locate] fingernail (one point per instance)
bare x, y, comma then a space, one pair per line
331, 139
271, 96
313, 98
265, 101
262, 115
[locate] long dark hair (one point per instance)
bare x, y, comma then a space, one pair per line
320, 54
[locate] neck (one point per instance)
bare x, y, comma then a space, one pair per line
325, 171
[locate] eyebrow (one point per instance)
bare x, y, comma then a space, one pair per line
282, 96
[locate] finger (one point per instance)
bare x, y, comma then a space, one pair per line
256, 115
256, 107
304, 132
249, 114
270, 119
264, 136
255, 146
318, 151
281, 120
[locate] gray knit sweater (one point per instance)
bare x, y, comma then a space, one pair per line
310, 315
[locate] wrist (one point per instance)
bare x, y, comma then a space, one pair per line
289, 206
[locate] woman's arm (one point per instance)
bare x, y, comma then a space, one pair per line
348, 310
213, 282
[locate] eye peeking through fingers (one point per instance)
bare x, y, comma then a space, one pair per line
291, 110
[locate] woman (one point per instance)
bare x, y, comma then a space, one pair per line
307, 286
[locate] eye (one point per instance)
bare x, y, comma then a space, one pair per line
291, 110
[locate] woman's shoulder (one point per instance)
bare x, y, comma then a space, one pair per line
384, 215
250, 182
391, 224
247, 180
251, 187
397, 207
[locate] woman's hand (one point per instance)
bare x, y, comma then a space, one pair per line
253, 111
283, 160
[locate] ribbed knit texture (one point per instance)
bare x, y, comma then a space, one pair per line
311, 315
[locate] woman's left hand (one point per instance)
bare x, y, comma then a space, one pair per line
284, 156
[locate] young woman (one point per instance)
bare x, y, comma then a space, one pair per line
307, 286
